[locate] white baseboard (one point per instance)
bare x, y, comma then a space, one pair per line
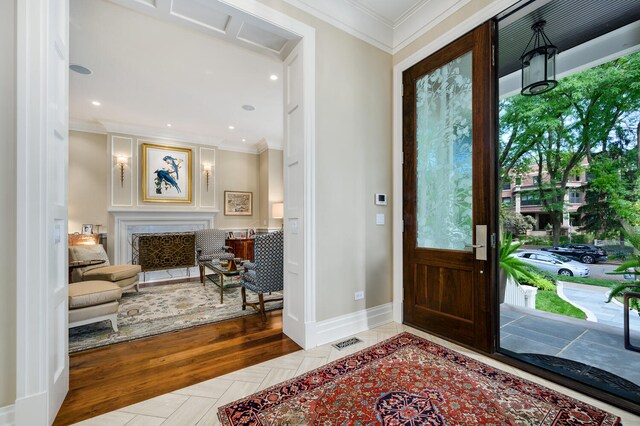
7, 415
346, 325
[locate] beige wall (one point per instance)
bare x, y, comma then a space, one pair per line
8, 197
88, 176
276, 185
236, 171
353, 161
263, 173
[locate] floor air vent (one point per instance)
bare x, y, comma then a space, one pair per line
346, 343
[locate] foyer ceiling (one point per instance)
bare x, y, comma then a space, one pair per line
387, 24
157, 76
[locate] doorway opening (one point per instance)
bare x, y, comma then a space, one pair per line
568, 179
168, 139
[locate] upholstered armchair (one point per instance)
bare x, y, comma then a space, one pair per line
210, 246
265, 275
125, 276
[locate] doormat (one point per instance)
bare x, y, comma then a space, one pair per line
161, 309
407, 380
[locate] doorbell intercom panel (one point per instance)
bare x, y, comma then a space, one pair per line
381, 199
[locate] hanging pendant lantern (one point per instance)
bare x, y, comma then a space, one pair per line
539, 63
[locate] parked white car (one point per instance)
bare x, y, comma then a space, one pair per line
556, 264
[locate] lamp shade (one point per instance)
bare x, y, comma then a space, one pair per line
539, 63
277, 210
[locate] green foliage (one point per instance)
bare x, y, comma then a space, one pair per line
536, 241
632, 264
593, 111
510, 264
589, 281
619, 255
535, 279
517, 223
549, 301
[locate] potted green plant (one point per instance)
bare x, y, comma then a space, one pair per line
510, 265
630, 266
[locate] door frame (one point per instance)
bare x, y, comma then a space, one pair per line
438, 43
32, 329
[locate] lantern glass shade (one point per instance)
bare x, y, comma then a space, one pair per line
539, 64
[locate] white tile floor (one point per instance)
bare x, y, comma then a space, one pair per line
198, 404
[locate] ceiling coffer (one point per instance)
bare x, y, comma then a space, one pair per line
539, 63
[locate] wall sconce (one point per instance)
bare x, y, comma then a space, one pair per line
207, 173
122, 161
539, 63
277, 210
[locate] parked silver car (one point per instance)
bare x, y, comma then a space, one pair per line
554, 263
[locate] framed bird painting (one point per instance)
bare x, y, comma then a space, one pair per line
166, 174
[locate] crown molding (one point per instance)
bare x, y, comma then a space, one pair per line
86, 126
265, 144
154, 132
250, 149
357, 19
351, 19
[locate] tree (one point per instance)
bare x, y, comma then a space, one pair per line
558, 129
516, 223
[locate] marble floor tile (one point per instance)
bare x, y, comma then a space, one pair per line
254, 374
275, 376
191, 411
114, 418
146, 421
160, 406
310, 363
213, 388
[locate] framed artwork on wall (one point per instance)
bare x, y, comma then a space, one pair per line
166, 174
238, 203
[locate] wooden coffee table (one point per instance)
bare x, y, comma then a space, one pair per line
222, 272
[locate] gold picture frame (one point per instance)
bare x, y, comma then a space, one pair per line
238, 203
167, 174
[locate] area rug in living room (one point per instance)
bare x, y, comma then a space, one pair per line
407, 380
164, 308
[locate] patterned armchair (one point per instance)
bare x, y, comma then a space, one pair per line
210, 246
266, 273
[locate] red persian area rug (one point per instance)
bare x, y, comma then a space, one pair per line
407, 380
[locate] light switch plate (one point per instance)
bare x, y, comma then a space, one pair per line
380, 219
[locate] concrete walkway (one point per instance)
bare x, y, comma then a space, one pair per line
525, 330
593, 299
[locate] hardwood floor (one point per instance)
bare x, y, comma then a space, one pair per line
105, 379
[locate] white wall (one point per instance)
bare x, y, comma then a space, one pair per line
353, 161
8, 197
87, 180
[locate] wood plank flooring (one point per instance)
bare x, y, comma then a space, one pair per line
105, 379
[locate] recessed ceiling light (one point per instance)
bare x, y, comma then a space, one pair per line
248, 107
80, 69
273, 77
95, 103
244, 140
168, 124
232, 127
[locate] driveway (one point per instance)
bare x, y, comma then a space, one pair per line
593, 299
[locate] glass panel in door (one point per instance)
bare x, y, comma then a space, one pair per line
444, 156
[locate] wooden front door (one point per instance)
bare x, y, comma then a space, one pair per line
449, 198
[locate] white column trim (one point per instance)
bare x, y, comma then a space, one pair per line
456, 32
32, 332
309, 104
7, 415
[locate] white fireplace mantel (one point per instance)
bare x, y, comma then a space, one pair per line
124, 222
